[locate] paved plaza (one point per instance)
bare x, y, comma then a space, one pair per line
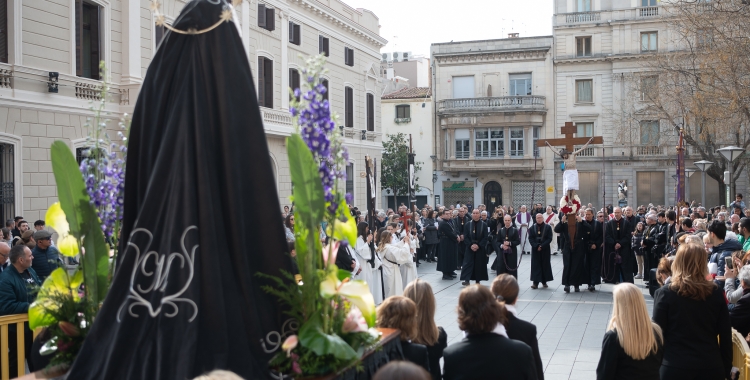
570, 326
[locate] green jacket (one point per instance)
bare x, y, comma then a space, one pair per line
16, 294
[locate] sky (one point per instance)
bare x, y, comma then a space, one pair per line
412, 25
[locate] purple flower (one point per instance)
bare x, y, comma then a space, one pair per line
349, 198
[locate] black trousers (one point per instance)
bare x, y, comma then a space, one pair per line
430, 251
675, 373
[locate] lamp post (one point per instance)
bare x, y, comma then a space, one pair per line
688, 174
703, 165
730, 154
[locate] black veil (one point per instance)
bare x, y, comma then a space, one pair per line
201, 217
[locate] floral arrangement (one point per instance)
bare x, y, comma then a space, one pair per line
335, 314
86, 218
568, 207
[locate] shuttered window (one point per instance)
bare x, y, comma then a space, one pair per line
323, 46
266, 17
265, 82
324, 82
4, 31
348, 56
294, 33
348, 107
370, 112
293, 82
88, 41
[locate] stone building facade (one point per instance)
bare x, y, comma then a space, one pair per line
42, 43
493, 101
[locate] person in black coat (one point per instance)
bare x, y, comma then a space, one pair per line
574, 271
432, 336
740, 314
431, 239
594, 251
484, 353
397, 312
475, 234
458, 223
506, 243
505, 289
447, 250
617, 250
692, 312
540, 238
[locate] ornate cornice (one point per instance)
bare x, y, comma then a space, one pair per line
536, 54
332, 17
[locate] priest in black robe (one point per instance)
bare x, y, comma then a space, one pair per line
186, 298
617, 255
458, 223
506, 243
474, 267
594, 252
574, 271
540, 238
448, 246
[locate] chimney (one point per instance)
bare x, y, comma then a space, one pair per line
513, 35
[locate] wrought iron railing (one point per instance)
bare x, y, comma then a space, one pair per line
649, 150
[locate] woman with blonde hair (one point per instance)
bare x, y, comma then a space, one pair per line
432, 336
692, 312
393, 256
398, 312
633, 345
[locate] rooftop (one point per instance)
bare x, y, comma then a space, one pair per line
409, 93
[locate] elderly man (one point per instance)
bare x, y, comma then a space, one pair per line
595, 240
617, 255
523, 221
47, 256
684, 212
475, 234
541, 237
18, 285
505, 242
460, 221
740, 314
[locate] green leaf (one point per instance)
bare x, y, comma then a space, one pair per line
38, 317
342, 274
311, 335
82, 219
358, 293
309, 203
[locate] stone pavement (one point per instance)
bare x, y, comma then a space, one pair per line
569, 326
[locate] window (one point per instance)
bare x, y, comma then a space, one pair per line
463, 87
705, 37
293, 82
4, 31
85, 152
536, 131
584, 129
648, 42
489, 143
520, 84
649, 88
584, 91
516, 142
650, 132
403, 111
88, 41
584, 5
348, 107
265, 82
583, 46
348, 56
324, 82
266, 17
462, 143
159, 32
350, 178
294, 34
371, 112
323, 46
648, 3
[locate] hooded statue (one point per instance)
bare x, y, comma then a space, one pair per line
185, 298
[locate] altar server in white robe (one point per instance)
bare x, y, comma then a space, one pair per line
551, 219
409, 270
393, 256
523, 222
364, 256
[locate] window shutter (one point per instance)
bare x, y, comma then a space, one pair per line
261, 83
262, 15
268, 71
79, 34
370, 112
320, 44
270, 19
95, 42
291, 32
351, 57
4, 31
297, 36
349, 112
408, 111
325, 84
325, 46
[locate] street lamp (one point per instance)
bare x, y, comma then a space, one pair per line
703, 165
730, 153
688, 174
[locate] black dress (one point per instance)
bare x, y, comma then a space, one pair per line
416, 353
615, 364
541, 267
435, 352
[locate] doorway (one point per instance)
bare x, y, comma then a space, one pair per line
493, 196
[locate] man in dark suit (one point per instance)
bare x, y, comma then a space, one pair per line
594, 252
474, 266
447, 249
459, 222
540, 237
506, 243
574, 257
649, 244
617, 250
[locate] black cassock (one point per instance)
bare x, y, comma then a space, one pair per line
185, 298
574, 268
541, 268
507, 260
447, 249
614, 269
458, 224
474, 267
594, 256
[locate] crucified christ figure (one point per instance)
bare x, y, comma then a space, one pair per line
570, 175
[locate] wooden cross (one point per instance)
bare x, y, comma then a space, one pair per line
569, 141
405, 221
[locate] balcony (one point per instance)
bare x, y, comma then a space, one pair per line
649, 151
402, 120
647, 12
483, 164
494, 104
580, 17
